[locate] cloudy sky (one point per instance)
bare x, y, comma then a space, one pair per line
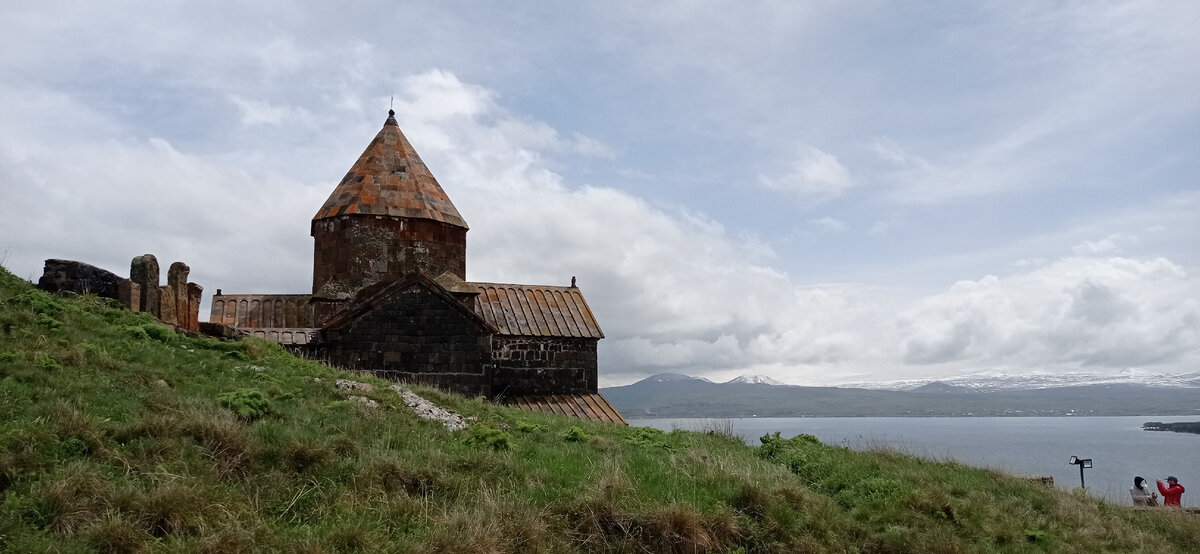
821, 192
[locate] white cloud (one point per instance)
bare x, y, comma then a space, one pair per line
256, 112
1107, 245
828, 224
815, 174
880, 227
588, 146
888, 150
1075, 312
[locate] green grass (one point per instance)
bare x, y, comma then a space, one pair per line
119, 435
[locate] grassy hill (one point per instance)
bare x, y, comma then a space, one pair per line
119, 435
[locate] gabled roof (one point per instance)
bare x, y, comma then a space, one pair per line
364, 304
389, 179
536, 310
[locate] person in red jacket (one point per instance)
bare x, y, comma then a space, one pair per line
1172, 492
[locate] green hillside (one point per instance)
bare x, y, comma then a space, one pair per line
119, 435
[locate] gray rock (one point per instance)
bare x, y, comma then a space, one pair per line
219, 330
347, 384
364, 400
79, 278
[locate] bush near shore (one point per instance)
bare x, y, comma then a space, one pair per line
119, 435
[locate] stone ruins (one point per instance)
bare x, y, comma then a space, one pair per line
176, 303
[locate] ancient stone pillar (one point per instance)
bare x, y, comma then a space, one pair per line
177, 276
166, 312
194, 292
144, 272
130, 294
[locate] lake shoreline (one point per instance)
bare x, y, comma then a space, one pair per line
1014, 445
1192, 427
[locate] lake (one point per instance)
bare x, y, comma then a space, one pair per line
1118, 447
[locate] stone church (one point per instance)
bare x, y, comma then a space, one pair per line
388, 296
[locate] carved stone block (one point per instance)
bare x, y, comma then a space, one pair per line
144, 271
130, 294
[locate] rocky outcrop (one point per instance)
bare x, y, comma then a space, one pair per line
220, 330
428, 410
79, 278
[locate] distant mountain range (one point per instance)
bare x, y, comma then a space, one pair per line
1045, 379
676, 395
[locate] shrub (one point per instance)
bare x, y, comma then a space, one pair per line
248, 404
576, 434
647, 436
46, 363
69, 447
490, 437
526, 427
48, 321
773, 446
137, 332
160, 333
39, 302
149, 330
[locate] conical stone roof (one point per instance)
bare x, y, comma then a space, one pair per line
389, 179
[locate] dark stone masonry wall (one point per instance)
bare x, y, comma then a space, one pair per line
414, 336
353, 252
543, 365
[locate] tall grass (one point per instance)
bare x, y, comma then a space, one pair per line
119, 435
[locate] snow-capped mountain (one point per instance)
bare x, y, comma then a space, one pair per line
998, 381
752, 380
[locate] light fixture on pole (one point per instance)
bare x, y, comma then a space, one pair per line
1082, 463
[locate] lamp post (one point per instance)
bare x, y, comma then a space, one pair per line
1082, 463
